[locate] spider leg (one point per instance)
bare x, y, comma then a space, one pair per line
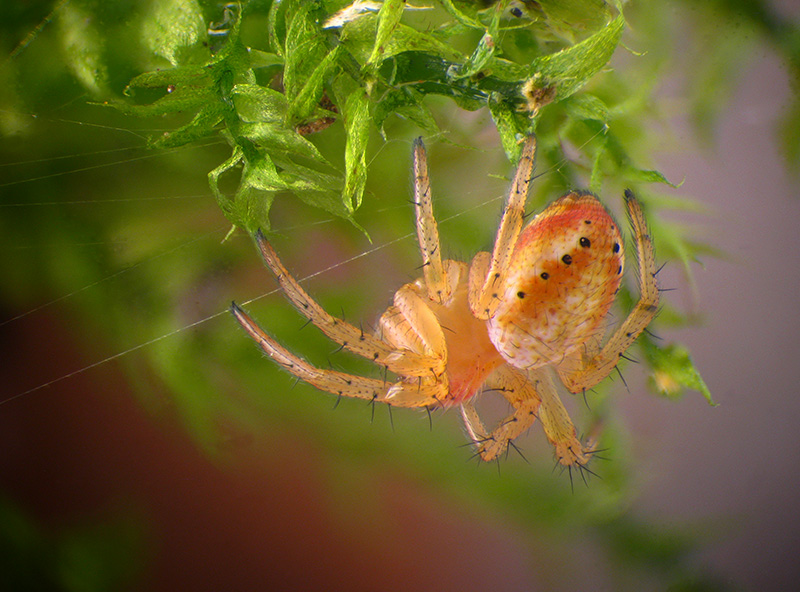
422, 332
483, 298
474, 425
436, 280
584, 372
353, 338
477, 276
410, 325
516, 388
558, 427
400, 393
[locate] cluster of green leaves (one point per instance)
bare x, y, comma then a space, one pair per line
306, 64
361, 63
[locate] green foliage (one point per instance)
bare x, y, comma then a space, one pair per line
363, 67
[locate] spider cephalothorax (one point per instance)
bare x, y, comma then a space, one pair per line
511, 320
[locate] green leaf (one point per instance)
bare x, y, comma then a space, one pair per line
485, 50
279, 140
567, 17
388, 18
428, 74
421, 115
82, 44
571, 68
405, 102
586, 106
309, 96
507, 71
184, 89
480, 58
225, 204
268, 168
460, 16
204, 124
260, 173
356, 120
316, 189
648, 176
263, 59
673, 370
258, 184
507, 122
305, 49
173, 28
359, 38
255, 103
276, 25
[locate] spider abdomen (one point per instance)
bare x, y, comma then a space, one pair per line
563, 277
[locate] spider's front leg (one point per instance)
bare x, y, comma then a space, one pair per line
581, 371
486, 287
421, 369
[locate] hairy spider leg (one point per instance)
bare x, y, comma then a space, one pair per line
403, 362
484, 297
436, 281
582, 371
402, 394
517, 390
558, 427
533, 394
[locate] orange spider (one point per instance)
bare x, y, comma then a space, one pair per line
508, 322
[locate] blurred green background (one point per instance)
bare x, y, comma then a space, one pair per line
147, 445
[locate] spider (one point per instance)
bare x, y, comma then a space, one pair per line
511, 321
